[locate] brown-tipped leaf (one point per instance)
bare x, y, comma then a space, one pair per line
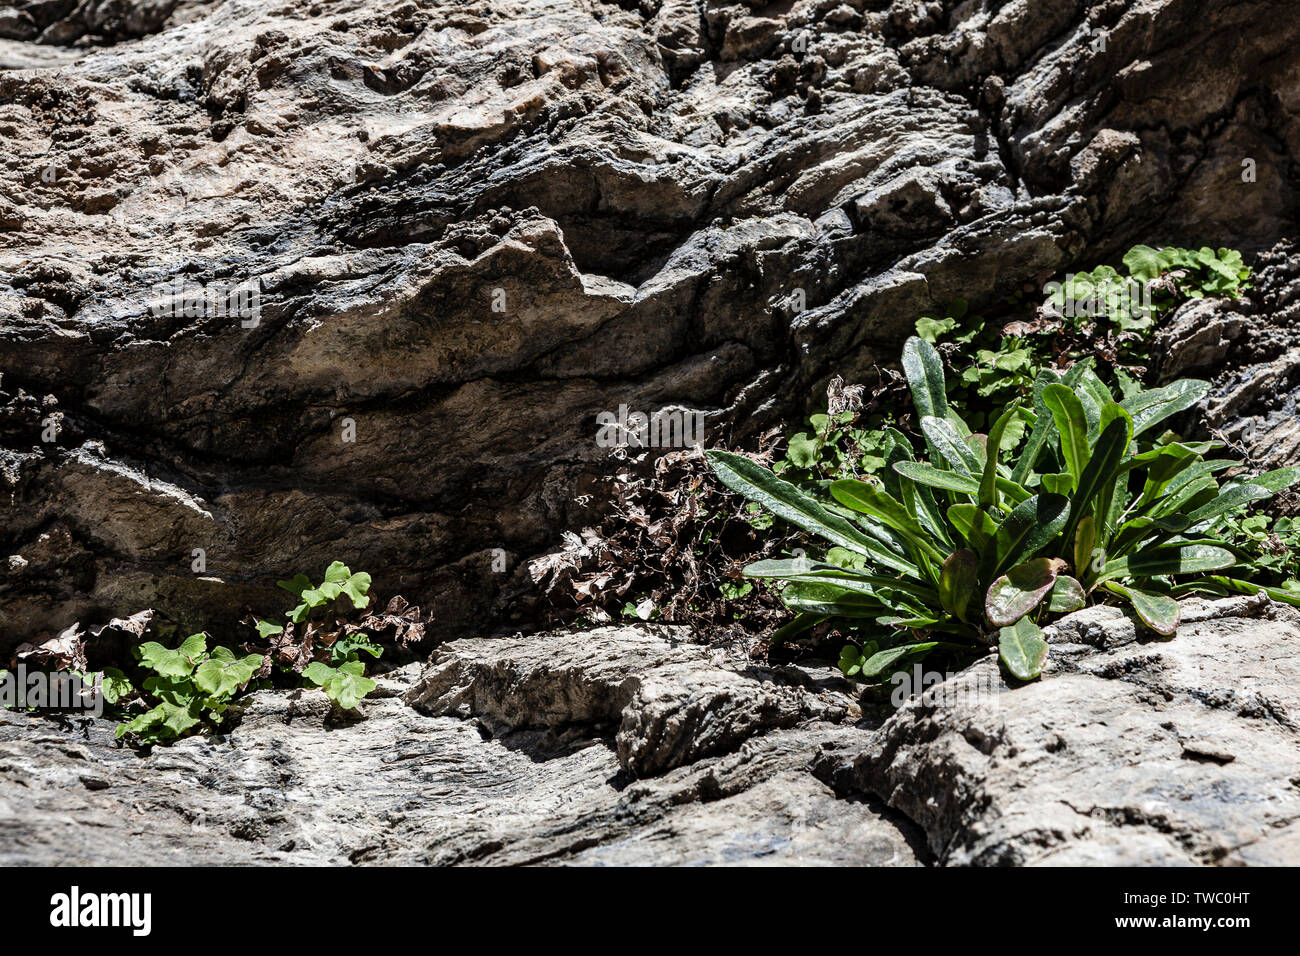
1020, 590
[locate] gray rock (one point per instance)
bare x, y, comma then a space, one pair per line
295, 783
1138, 752
1129, 751
1249, 349
671, 702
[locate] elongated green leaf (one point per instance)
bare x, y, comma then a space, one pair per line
974, 524
988, 494
1043, 432
1067, 595
793, 568
1170, 559
870, 500
911, 623
1162, 465
882, 660
1278, 479
1186, 498
1085, 539
924, 371
1022, 649
784, 500
1230, 499
1250, 587
829, 600
1158, 612
1015, 494
924, 474
1112, 502
1111, 411
1195, 472
1021, 589
815, 572
1152, 407
950, 447
1094, 396
1071, 427
958, 582
1031, 525
918, 500
932, 477
1099, 473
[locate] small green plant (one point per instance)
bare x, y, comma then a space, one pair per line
190, 687
960, 550
832, 448
1192, 274
190, 684
992, 367
345, 684
339, 580
342, 677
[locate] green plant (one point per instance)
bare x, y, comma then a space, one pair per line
832, 448
188, 684
1100, 313
991, 367
961, 550
339, 580
342, 675
1189, 273
345, 684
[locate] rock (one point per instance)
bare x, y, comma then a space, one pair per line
1132, 751
1197, 337
457, 235
629, 746
1250, 350
291, 784
672, 704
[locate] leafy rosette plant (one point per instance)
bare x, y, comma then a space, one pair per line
970, 546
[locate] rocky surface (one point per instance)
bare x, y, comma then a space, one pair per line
1250, 349
471, 228
629, 746
464, 777
1129, 751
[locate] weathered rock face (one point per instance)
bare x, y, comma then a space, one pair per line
1250, 349
470, 229
1130, 751
668, 707
630, 746
514, 754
